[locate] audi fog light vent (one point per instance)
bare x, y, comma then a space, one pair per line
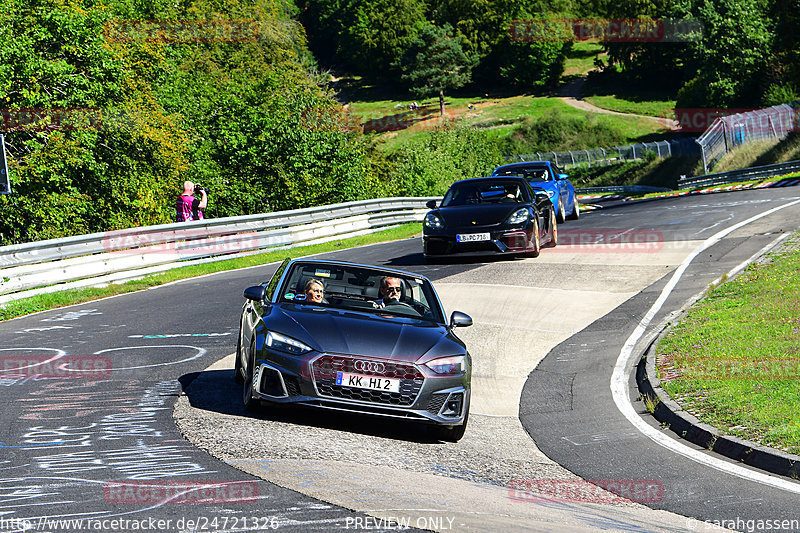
452, 407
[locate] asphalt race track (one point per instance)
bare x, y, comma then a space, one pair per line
100, 444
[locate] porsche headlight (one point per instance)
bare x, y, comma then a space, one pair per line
518, 217
455, 364
432, 221
282, 343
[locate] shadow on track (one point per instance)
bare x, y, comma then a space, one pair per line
215, 390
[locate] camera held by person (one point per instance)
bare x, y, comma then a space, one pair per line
188, 207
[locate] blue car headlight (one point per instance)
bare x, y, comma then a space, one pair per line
434, 222
282, 343
518, 217
455, 364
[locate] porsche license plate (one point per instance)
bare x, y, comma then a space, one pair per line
367, 382
472, 237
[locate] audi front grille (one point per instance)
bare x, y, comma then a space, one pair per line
325, 368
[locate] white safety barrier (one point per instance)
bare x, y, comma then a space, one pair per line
85, 260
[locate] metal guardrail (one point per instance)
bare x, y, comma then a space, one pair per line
744, 174
46, 266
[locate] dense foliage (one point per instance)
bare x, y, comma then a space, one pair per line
107, 110
108, 114
745, 55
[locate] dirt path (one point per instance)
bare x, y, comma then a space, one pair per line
570, 94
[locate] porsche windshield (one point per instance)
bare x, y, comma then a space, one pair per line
494, 191
532, 174
361, 289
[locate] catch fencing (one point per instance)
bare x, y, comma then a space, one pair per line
728, 132
114, 256
617, 154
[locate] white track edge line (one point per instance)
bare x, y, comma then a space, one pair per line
619, 377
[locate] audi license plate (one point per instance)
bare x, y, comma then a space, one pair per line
367, 382
472, 237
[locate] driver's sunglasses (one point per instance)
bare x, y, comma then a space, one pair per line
392, 289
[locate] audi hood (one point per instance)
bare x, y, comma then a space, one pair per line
378, 335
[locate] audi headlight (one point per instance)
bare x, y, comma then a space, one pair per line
518, 217
455, 364
282, 343
434, 222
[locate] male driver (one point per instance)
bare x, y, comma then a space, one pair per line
188, 207
389, 292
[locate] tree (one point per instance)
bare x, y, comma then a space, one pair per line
434, 62
731, 56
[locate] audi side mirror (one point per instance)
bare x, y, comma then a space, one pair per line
460, 320
255, 293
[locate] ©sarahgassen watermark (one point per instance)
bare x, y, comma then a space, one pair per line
182, 31
179, 492
55, 366
586, 491
606, 30
748, 525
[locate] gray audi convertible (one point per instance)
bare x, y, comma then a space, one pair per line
354, 338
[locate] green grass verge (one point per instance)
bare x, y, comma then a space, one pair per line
53, 300
733, 361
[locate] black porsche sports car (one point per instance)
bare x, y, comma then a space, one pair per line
354, 338
497, 215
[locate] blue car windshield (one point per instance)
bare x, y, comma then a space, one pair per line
532, 174
485, 192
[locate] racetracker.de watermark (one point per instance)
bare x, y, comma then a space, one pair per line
57, 118
327, 120
586, 491
55, 367
606, 30
747, 122
182, 31
187, 243
777, 368
179, 492
609, 240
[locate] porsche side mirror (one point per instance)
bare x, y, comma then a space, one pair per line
430, 204
255, 293
459, 319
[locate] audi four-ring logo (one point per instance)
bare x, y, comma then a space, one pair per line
369, 366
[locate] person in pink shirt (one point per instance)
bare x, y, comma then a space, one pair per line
188, 207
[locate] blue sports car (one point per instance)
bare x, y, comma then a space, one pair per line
552, 179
